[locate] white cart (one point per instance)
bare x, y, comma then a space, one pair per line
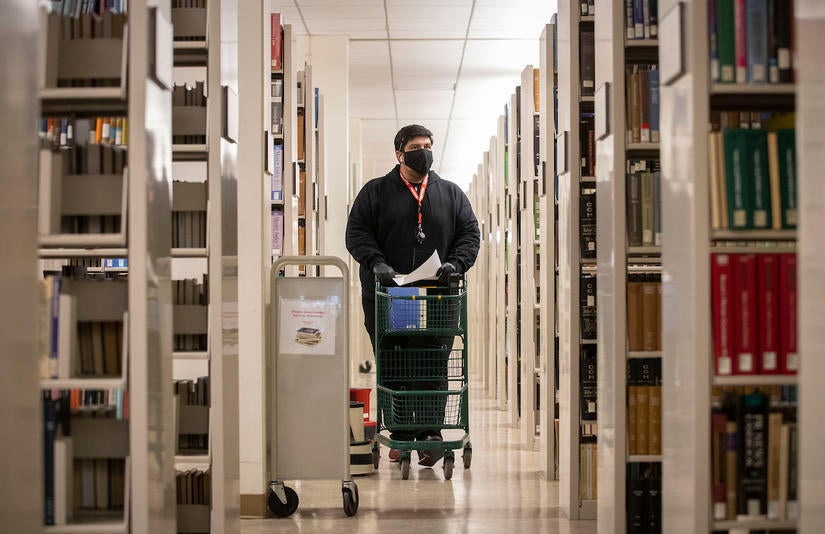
308, 376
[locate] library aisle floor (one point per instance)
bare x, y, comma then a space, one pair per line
504, 491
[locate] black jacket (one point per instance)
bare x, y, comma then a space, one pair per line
383, 222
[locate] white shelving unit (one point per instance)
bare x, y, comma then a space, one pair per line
215, 164
571, 105
145, 241
527, 231
547, 256
810, 27
20, 503
686, 103
512, 185
498, 160
616, 259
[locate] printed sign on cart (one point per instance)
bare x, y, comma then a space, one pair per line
307, 327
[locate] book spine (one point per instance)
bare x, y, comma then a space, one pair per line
646, 18
657, 208
753, 470
49, 435
588, 303
647, 208
746, 321
786, 140
639, 19
589, 384
757, 141
634, 209
736, 173
768, 272
731, 463
643, 407
634, 314
588, 63
587, 215
773, 47
713, 43
741, 40
275, 35
653, 91
644, 99
718, 453
630, 29
632, 427
655, 411
722, 313
774, 433
757, 40
654, 19
726, 40
788, 357
649, 308
784, 17
636, 500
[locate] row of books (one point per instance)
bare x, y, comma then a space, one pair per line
193, 393
754, 313
194, 486
277, 189
644, 406
644, 498
182, 4
642, 103
188, 229
753, 179
98, 403
644, 203
92, 158
90, 224
74, 8
76, 484
587, 141
751, 41
69, 347
191, 291
587, 306
644, 312
277, 88
588, 469
61, 132
277, 112
85, 21
587, 222
588, 385
641, 19
186, 96
754, 454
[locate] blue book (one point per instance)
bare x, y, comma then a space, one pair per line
404, 314
277, 171
756, 24
653, 110
639, 18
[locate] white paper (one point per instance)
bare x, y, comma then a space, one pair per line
426, 271
307, 327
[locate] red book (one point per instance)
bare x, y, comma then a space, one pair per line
721, 284
718, 437
745, 361
788, 357
275, 33
768, 274
741, 40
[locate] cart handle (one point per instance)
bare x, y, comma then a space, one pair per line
332, 261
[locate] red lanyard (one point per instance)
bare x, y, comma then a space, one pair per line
419, 197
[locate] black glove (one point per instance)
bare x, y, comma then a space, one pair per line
443, 273
384, 274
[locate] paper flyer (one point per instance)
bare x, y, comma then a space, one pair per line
426, 271
307, 327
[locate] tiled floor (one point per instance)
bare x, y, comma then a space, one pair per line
503, 492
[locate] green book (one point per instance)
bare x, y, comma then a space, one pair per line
737, 173
725, 37
786, 139
761, 216
647, 209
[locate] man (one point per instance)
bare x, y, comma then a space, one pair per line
395, 224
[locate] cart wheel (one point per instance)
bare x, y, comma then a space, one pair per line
405, 468
467, 456
280, 509
350, 499
449, 462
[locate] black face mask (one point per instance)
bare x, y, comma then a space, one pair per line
419, 160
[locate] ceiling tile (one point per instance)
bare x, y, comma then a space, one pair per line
413, 22
423, 105
429, 65
511, 20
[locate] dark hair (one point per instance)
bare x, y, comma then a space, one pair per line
411, 131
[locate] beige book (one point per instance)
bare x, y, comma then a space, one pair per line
63, 480
654, 441
715, 209
722, 185
774, 438
773, 173
784, 474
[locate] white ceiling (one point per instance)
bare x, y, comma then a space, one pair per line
450, 65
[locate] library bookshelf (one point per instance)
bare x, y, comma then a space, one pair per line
205, 263
623, 59
693, 248
577, 423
